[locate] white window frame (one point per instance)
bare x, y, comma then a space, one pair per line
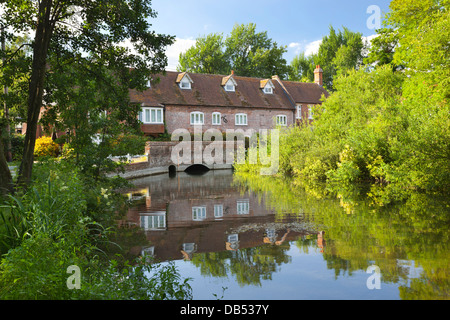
310, 111
239, 119
229, 86
243, 206
198, 213
299, 112
281, 120
148, 111
185, 84
268, 89
201, 116
218, 210
216, 116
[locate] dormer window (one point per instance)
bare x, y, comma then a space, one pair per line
229, 86
267, 86
268, 90
185, 84
184, 81
228, 83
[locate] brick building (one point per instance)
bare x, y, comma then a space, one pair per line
183, 100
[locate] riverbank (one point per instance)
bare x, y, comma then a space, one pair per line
56, 240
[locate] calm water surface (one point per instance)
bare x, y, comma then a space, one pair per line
265, 238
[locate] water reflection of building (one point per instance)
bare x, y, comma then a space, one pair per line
189, 214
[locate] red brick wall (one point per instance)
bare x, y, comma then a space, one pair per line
178, 117
152, 129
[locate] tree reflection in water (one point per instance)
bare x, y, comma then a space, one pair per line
365, 227
360, 226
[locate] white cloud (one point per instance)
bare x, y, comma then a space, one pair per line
312, 47
173, 52
307, 48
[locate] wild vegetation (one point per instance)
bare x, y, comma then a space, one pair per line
384, 125
57, 213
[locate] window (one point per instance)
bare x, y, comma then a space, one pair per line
241, 119
229, 87
299, 111
243, 206
185, 84
268, 90
216, 118
153, 222
310, 111
198, 213
197, 118
151, 115
218, 210
281, 120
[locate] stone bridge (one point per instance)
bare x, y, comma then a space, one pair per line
174, 156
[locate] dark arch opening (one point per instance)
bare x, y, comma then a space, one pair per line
197, 169
172, 171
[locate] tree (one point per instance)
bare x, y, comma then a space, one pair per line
206, 56
98, 125
254, 54
339, 51
302, 68
81, 27
382, 48
247, 52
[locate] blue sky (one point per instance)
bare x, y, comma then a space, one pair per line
297, 24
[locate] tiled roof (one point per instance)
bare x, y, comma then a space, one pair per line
305, 92
207, 90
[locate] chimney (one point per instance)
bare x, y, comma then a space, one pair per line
232, 72
318, 75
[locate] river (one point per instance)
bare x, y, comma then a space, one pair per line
245, 238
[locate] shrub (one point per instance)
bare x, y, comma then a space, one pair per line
46, 147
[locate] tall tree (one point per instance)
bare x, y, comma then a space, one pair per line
382, 48
254, 54
302, 68
206, 56
77, 27
247, 52
339, 51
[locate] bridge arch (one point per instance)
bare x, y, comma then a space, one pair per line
197, 168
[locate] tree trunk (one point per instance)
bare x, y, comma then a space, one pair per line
6, 185
44, 30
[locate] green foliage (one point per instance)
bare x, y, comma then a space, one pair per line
66, 219
37, 269
17, 143
301, 68
247, 52
206, 56
338, 53
45, 147
91, 70
139, 280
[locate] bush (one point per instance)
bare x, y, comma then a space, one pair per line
65, 219
45, 147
